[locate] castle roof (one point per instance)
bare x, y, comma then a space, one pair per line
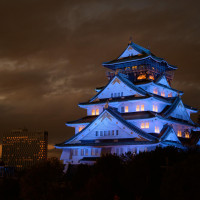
135, 52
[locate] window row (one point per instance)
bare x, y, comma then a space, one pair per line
107, 133
85, 152
95, 111
117, 94
155, 91
179, 134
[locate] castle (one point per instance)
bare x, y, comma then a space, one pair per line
136, 111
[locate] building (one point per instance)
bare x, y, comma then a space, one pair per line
22, 148
136, 111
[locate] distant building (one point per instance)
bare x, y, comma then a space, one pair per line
136, 111
22, 148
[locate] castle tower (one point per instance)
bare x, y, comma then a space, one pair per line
136, 111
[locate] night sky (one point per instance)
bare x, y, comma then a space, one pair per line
51, 53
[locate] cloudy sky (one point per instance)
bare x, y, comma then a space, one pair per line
51, 53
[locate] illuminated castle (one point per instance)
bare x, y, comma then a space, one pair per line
136, 111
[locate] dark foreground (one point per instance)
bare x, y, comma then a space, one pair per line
162, 174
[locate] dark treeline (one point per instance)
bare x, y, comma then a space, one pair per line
161, 174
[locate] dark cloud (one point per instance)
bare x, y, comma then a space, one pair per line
51, 53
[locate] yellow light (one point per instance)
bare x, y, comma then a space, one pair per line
142, 76
80, 128
170, 95
147, 125
179, 134
155, 91
187, 135
137, 108
151, 77
142, 125
93, 112
126, 108
163, 94
157, 129
155, 108
97, 111
142, 107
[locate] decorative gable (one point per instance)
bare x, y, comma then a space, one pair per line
130, 51
180, 112
170, 135
108, 125
117, 88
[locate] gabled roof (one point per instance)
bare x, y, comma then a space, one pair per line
119, 118
137, 52
128, 83
170, 109
134, 49
167, 132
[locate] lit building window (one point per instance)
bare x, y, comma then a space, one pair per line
137, 108
179, 134
187, 135
157, 130
147, 125
155, 108
142, 107
151, 77
93, 112
170, 95
155, 91
142, 76
126, 108
81, 128
163, 94
142, 125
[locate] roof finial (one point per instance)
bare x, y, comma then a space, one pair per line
130, 40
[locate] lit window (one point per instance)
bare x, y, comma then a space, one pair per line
151, 77
93, 112
142, 107
140, 77
126, 108
142, 125
163, 94
155, 108
155, 91
179, 134
187, 135
137, 108
80, 128
97, 111
157, 129
170, 95
147, 125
